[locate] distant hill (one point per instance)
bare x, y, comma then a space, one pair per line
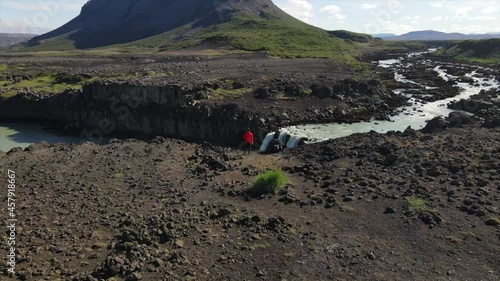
353, 36
9, 39
384, 35
428, 35
157, 26
485, 51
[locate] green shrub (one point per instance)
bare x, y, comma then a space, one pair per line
417, 205
270, 182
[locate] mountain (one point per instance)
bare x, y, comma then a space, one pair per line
428, 35
109, 22
485, 51
162, 25
383, 35
8, 39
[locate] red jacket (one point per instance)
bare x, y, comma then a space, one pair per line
248, 137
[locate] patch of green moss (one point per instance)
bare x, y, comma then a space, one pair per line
46, 83
222, 93
417, 205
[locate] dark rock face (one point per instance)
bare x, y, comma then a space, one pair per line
472, 106
436, 125
322, 91
349, 88
457, 119
492, 122
485, 105
171, 111
131, 20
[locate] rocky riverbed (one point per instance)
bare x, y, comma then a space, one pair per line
370, 206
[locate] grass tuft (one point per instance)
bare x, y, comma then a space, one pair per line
417, 205
270, 182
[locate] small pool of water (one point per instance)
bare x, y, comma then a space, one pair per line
25, 134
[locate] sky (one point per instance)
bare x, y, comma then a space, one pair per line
368, 16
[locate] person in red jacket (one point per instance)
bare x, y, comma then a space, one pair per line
248, 137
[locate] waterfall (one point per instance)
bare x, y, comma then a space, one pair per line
285, 138
266, 141
293, 142
282, 137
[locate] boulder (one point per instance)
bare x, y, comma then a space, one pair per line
39, 145
215, 164
492, 122
436, 125
274, 146
409, 132
15, 150
471, 106
262, 93
457, 119
292, 89
238, 85
321, 91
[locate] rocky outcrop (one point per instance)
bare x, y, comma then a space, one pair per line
458, 119
349, 88
485, 105
471, 105
105, 108
436, 125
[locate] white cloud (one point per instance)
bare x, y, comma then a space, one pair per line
20, 26
387, 27
339, 18
335, 14
489, 10
437, 5
469, 29
300, 9
368, 6
483, 18
438, 18
330, 9
462, 12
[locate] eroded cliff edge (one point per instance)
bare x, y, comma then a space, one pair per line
115, 108
195, 113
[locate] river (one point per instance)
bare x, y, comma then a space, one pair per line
416, 116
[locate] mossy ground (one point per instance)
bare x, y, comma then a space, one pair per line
476, 51
283, 37
16, 79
